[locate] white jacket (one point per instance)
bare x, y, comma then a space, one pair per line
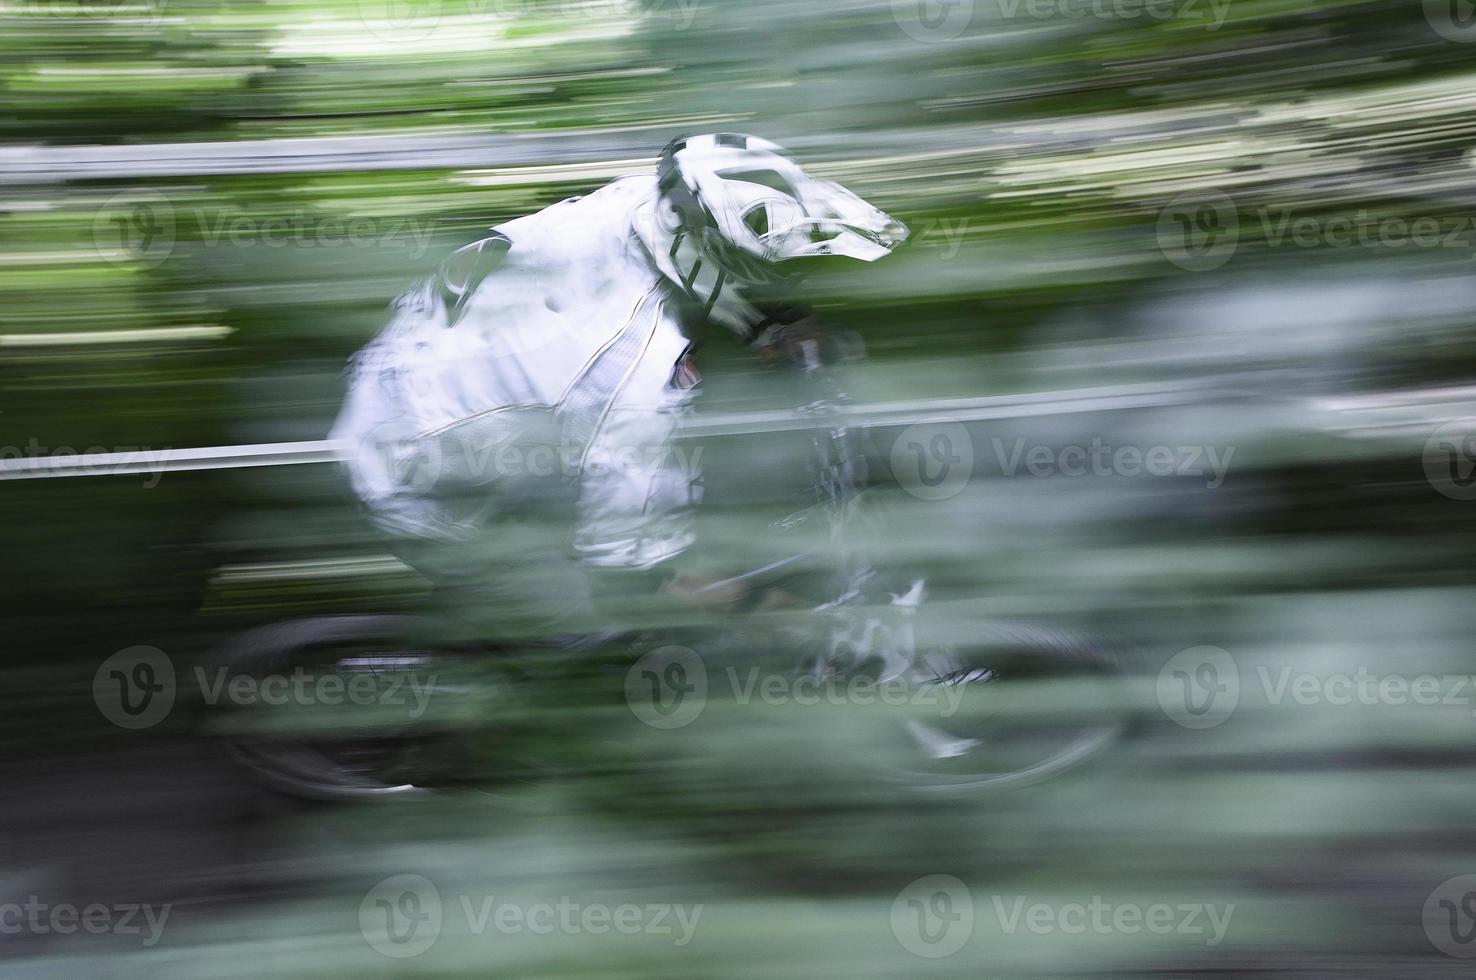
559, 322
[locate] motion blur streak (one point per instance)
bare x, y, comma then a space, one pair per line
1180, 358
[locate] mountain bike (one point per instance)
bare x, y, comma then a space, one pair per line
975, 704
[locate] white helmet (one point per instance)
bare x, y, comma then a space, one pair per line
734, 209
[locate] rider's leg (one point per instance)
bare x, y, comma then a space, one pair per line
510, 584
499, 553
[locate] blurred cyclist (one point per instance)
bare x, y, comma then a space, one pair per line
534, 383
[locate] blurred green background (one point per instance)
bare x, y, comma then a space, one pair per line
1133, 222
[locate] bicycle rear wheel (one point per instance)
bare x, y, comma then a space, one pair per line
334, 706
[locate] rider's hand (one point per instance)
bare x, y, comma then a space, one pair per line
794, 342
